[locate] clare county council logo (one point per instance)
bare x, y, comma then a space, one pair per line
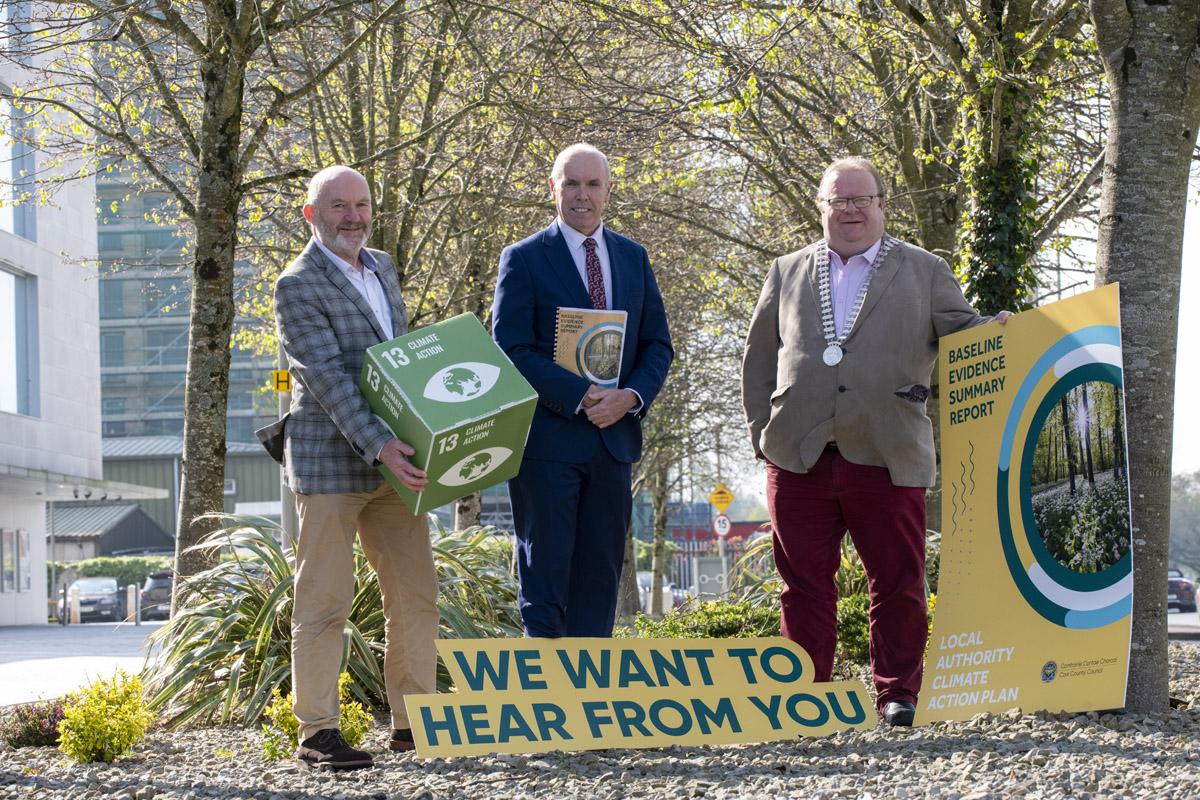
1069, 599
1049, 671
475, 466
461, 382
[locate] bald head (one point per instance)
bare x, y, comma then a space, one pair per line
339, 211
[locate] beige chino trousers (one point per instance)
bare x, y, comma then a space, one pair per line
396, 543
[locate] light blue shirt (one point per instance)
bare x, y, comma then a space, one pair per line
366, 281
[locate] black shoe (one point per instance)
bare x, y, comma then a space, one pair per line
327, 748
899, 713
402, 740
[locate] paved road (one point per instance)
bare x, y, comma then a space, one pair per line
1183, 626
41, 661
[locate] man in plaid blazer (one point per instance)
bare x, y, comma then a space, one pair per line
333, 302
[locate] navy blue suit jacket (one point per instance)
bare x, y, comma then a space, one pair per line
537, 276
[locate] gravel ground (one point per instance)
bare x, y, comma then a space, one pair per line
992, 756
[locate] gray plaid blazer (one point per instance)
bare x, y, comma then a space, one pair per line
330, 436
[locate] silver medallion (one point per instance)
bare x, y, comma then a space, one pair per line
832, 355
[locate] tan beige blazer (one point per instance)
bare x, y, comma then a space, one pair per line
872, 404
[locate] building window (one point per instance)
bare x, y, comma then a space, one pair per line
113, 428
112, 298
166, 346
112, 349
18, 344
18, 211
8, 561
112, 405
230, 486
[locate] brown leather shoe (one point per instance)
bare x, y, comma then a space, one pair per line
328, 748
402, 740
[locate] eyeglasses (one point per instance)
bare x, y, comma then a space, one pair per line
842, 203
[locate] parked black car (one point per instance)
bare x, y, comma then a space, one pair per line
1181, 593
156, 595
99, 598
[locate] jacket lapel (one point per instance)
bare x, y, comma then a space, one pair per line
617, 262
563, 266
352, 294
884, 274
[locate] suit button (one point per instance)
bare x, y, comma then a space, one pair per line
841, 388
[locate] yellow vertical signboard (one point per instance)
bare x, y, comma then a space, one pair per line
1036, 582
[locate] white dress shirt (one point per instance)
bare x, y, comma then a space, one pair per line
845, 279
367, 282
574, 240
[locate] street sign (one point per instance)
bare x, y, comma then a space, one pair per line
282, 380
721, 497
722, 525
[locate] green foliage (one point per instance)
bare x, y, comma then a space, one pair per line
228, 649
756, 581
853, 629
281, 736
1089, 530
711, 619
126, 569
32, 724
104, 720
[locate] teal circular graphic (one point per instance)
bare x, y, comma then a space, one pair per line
598, 354
1066, 598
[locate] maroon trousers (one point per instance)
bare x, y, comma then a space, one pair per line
810, 513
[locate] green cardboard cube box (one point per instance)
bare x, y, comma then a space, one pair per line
452, 394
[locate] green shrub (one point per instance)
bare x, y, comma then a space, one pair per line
281, 736
711, 619
32, 724
101, 722
853, 629
229, 646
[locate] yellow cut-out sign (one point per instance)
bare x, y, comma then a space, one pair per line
537, 695
282, 380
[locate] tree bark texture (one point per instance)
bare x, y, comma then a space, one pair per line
1153, 72
206, 394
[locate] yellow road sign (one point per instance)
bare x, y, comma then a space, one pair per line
721, 497
282, 379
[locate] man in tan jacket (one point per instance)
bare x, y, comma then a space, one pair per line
834, 382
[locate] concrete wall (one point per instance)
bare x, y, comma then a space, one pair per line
21, 607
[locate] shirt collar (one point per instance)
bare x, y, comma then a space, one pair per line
364, 255
575, 238
869, 254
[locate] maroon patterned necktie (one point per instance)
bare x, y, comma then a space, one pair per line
594, 276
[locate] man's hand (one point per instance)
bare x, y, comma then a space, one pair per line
1002, 316
607, 406
394, 456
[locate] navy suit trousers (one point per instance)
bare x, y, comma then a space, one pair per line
571, 522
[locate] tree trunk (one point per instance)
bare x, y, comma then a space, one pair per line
212, 311
659, 494
468, 511
629, 599
1086, 436
1066, 420
1153, 73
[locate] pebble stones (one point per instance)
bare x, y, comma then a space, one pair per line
989, 757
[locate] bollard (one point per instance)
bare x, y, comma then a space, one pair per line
73, 596
131, 604
62, 609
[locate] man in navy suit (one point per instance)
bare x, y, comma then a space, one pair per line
571, 500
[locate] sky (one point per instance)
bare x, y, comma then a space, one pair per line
1186, 451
